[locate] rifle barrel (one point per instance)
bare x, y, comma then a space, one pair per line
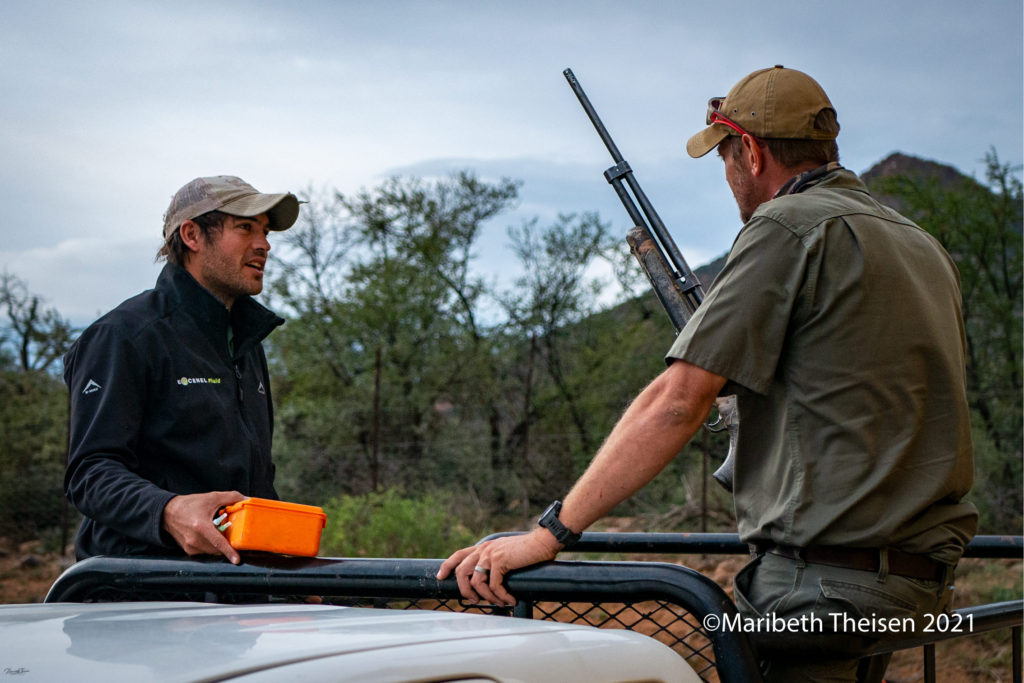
689, 285
592, 115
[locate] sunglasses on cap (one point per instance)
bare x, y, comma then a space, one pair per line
716, 116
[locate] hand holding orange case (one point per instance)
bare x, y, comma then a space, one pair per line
275, 526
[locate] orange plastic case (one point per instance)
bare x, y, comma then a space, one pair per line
275, 526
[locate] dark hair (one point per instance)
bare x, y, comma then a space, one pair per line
174, 249
792, 153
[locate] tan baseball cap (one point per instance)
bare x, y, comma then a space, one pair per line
233, 196
769, 103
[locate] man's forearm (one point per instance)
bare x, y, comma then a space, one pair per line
105, 490
650, 433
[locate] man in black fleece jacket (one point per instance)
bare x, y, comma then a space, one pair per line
171, 414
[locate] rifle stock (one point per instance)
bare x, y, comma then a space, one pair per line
676, 286
652, 262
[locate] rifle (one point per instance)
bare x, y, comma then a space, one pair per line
678, 289
676, 286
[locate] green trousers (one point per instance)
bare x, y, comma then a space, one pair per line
814, 622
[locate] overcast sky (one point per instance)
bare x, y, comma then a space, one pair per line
109, 107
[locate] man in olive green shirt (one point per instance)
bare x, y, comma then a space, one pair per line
837, 324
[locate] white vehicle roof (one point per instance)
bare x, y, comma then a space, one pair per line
138, 642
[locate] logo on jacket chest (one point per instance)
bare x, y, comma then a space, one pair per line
189, 381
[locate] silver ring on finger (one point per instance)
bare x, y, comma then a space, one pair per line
481, 570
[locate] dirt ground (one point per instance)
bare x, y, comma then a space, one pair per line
26, 572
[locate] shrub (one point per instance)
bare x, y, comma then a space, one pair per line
390, 524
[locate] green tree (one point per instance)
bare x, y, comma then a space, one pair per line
33, 429
386, 376
33, 413
547, 307
384, 370
32, 337
580, 358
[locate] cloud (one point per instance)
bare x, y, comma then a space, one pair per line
85, 277
111, 106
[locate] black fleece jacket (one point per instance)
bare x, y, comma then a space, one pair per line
160, 407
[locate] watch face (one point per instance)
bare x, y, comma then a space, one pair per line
550, 521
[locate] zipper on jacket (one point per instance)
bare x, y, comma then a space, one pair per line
249, 429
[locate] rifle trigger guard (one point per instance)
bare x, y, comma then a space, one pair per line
617, 171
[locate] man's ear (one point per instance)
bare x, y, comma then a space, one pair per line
755, 155
191, 235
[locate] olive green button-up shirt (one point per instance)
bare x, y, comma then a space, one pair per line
837, 322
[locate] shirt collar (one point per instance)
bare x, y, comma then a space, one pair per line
250, 320
802, 181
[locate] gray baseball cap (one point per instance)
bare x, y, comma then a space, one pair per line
232, 196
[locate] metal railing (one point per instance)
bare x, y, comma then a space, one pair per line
987, 547
666, 601
980, 618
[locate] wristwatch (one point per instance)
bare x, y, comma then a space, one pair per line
550, 521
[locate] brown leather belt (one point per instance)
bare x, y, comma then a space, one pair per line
864, 559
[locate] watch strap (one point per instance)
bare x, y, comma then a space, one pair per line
550, 521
